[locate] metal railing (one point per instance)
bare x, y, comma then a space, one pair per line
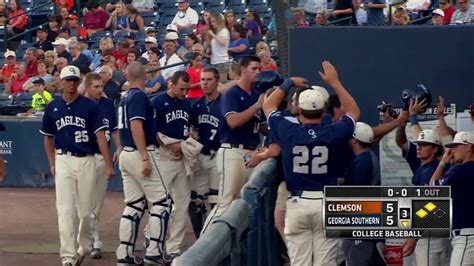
337, 21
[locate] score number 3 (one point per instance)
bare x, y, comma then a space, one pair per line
318, 164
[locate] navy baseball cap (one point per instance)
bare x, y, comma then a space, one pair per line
42, 28
64, 30
38, 80
130, 35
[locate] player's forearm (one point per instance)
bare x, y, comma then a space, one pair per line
273, 101
415, 130
350, 105
443, 129
235, 120
273, 150
104, 148
223, 87
385, 128
139, 137
50, 150
400, 137
438, 173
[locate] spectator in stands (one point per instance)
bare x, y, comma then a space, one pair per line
300, 17
174, 37
463, 14
344, 9
69, 4
50, 58
154, 80
132, 56
360, 13
83, 48
64, 13
9, 68
189, 41
60, 46
375, 15
18, 20
134, 20
153, 54
78, 59
131, 39
415, 6
321, 18
105, 43
234, 76
220, 39
150, 42
29, 86
42, 42
199, 48
117, 75
42, 97
95, 18
120, 53
195, 91
186, 18
64, 33
62, 62
56, 85
239, 45
31, 60
400, 16
230, 19
266, 62
203, 24
143, 5
170, 57
253, 25
437, 17
75, 29
15, 86
53, 27
111, 88
171, 28
118, 19
448, 10
150, 32
3, 17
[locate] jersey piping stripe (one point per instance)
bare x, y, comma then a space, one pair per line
47, 134
228, 113
137, 117
464, 250
100, 128
352, 118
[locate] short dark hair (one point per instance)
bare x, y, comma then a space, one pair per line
193, 37
180, 75
365, 144
246, 60
212, 70
195, 55
135, 52
240, 29
90, 77
312, 114
333, 102
92, 4
154, 50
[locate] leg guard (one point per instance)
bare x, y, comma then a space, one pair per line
197, 210
129, 225
160, 212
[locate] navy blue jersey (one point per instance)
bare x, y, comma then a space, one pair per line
270, 137
206, 117
136, 105
424, 173
236, 100
107, 110
172, 115
364, 170
310, 152
460, 178
73, 125
346, 155
411, 158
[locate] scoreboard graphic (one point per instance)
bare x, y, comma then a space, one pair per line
387, 212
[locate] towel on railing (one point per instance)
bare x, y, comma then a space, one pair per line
190, 147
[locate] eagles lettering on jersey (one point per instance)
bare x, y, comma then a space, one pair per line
172, 116
206, 117
70, 121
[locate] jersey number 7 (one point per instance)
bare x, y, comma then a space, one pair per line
318, 163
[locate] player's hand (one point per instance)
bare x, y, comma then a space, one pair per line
116, 156
409, 247
300, 82
109, 172
53, 170
254, 159
329, 74
146, 168
416, 106
403, 118
447, 156
441, 106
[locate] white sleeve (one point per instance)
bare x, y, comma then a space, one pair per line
193, 17
175, 19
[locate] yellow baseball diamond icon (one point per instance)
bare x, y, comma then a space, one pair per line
421, 213
430, 206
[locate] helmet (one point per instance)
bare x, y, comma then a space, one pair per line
267, 79
421, 92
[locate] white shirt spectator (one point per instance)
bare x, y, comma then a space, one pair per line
361, 16
190, 16
416, 5
167, 73
313, 6
143, 5
219, 52
462, 17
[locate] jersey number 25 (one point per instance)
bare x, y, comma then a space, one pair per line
301, 160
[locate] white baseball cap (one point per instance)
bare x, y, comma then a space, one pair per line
150, 29
172, 27
61, 41
311, 100
438, 12
428, 136
70, 73
462, 137
363, 132
9, 53
151, 39
323, 92
171, 36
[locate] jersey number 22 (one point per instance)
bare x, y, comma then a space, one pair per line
301, 160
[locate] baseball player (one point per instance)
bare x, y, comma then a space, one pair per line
94, 89
74, 132
309, 153
173, 110
459, 177
239, 134
205, 119
142, 181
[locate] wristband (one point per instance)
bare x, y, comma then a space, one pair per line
413, 120
442, 164
287, 85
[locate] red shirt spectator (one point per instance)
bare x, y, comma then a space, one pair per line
69, 4
9, 68
120, 53
194, 71
448, 11
19, 18
16, 85
31, 62
269, 67
95, 18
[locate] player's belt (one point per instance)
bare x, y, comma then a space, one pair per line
70, 153
130, 149
463, 232
306, 194
239, 146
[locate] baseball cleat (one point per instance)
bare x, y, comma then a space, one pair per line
130, 261
79, 260
96, 253
157, 260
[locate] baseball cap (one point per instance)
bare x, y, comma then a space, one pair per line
428, 136
9, 53
150, 29
151, 40
72, 16
437, 12
64, 30
181, 1
171, 36
323, 92
363, 132
38, 80
311, 100
82, 39
70, 73
61, 41
172, 27
42, 28
130, 35
462, 137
